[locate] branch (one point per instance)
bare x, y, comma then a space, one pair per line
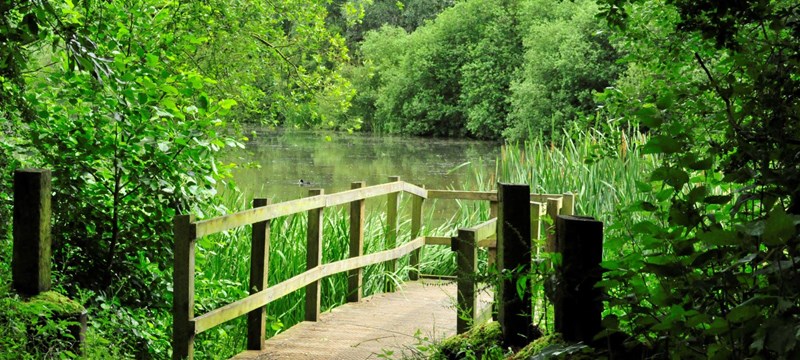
725, 98
284, 57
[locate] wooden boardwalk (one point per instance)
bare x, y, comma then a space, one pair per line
381, 323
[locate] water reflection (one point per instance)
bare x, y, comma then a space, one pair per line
285, 157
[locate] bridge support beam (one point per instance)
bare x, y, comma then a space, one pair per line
391, 235
514, 262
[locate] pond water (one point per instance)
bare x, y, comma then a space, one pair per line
332, 160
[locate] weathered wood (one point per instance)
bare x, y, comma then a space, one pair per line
537, 210
438, 240
183, 288
578, 304
30, 263
386, 322
462, 195
246, 217
467, 268
542, 198
391, 235
415, 190
514, 250
492, 256
416, 226
259, 274
485, 229
272, 293
568, 204
355, 278
553, 208
314, 257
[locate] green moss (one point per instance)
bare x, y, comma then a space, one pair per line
478, 341
537, 345
52, 302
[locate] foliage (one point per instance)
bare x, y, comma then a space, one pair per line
568, 57
708, 268
478, 343
485, 69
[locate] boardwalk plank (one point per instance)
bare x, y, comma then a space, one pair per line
379, 323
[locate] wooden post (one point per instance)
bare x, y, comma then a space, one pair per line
355, 278
30, 264
568, 204
514, 261
553, 208
259, 273
416, 226
492, 251
467, 261
578, 304
391, 234
183, 288
536, 221
314, 257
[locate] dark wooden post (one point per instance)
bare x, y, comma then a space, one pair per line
355, 278
391, 234
578, 304
30, 264
314, 257
259, 273
514, 262
183, 288
416, 226
467, 260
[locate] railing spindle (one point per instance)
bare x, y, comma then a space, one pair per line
355, 278
314, 257
416, 226
259, 273
391, 235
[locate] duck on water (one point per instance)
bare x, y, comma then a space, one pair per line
304, 183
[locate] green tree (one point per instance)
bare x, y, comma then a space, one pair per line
713, 271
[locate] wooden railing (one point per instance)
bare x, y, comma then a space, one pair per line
186, 326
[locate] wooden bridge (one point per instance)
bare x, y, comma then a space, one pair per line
365, 327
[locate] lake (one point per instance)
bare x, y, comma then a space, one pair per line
333, 160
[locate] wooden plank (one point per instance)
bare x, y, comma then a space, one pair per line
30, 264
346, 197
246, 217
416, 226
259, 273
485, 229
462, 195
415, 190
183, 288
438, 240
467, 268
542, 198
391, 235
314, 257
438, 277
264, 297
355, 278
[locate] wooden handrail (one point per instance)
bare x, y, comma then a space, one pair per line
264, 297
186, 325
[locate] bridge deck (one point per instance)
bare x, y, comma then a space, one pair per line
378, 324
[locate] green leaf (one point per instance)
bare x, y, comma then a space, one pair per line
742, 313
227, 104
662, 144
779, 227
